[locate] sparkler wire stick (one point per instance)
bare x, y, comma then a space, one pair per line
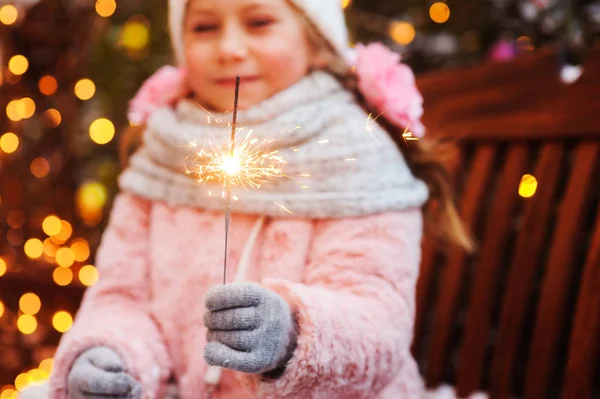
231, 154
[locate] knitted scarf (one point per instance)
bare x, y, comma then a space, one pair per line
338, 162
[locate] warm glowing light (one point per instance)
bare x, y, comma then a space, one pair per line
8, 14
50, 248
64, 234
439, 12
48, 85
51, 225
525, 43
38, 375
346, 3
3, 267
528, 186
30, 304
65, 257
28, 107
15, 110
53, 116
27, 324
47, 365
62, 321
106, 8
39, 167
85, 89
102, 131
9, 393
81, 250
135, 34
1, 309
9, 143
250, 165
62, 276
34, 248
22, 381
18, 64
88, 275
92, 196
402, 32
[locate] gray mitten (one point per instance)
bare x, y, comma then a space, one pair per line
250, 329
99, 372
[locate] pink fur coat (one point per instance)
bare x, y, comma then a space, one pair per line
351, 283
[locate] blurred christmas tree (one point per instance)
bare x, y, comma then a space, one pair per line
69, 68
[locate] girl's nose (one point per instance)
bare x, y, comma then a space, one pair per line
232, 46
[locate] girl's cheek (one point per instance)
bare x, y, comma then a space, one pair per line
284, 58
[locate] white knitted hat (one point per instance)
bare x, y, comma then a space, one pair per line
326, 15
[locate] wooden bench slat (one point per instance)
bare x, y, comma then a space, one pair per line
490, 263
552, 309
426, 279
584, 347
523, 268
453, 275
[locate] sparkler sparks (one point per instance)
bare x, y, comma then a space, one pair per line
249, 166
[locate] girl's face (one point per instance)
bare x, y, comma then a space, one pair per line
263, 41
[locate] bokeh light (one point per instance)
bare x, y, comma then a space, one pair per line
28, 107
8, 393
64, 234
30, 303
65, 257
8, 14
346, 3
88, 275
9, 143
136, 33
62, 276
27, 324
39, 167
439, 12
525, 43
1, 309
528, 186
51, 225
90, 199
106, 8
38, 375
50, 248
15, 110
47, 365
54, 117
62, 321
102, 131
34, 248
85, 89
402, 32
3, 267
48, 85
81, 249
22, 381
18, 64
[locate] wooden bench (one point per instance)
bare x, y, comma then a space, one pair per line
521, 317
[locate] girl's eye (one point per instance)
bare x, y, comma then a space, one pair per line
200, 28
260, 23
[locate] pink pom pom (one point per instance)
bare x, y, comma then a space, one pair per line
164, 87
389, 86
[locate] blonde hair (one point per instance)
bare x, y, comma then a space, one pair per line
426, 158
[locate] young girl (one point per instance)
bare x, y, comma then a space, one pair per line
323, 302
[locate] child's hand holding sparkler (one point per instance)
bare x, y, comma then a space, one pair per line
250, 329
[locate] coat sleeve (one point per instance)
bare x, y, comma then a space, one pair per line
355, 312
115, 311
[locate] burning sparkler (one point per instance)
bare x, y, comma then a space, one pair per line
246, 165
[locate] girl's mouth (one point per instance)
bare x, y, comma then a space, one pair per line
230, 82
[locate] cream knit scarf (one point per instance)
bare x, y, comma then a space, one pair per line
338, 163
